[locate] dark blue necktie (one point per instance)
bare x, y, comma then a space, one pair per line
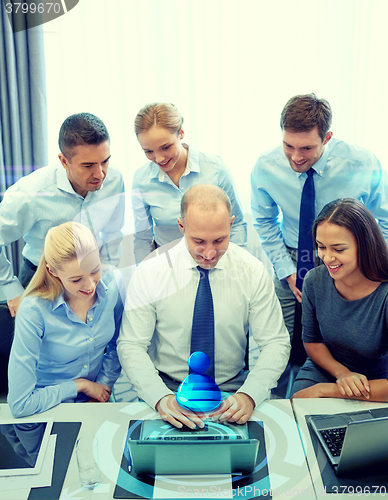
202, 332
306, 220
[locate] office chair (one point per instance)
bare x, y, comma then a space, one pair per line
7, 323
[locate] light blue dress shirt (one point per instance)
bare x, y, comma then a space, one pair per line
343, 171
53, 347
44, 199
156, 200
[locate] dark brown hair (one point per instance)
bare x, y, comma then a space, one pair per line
302, 113
81, 129
372, 251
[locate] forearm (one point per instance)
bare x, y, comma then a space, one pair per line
238, 234
322, 357
24, 402
378, 391
10, 287
143, 244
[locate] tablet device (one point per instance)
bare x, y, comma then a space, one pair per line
23, 446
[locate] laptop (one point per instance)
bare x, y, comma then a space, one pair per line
353, 441
157, 447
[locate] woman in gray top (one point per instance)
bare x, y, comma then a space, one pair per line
345, 308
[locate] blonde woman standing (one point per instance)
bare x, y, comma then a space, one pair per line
66, 328
173, 168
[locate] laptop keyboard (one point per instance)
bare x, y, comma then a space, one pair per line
334, 439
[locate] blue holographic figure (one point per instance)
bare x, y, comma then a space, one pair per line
198, 392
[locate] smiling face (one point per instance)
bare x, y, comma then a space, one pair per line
303, 149
207, 233
337, 248
88, 167
164, 148
80, 279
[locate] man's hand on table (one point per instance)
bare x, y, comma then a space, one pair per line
238, 408
170, 411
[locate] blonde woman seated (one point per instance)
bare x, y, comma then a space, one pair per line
174, 167
66, 327
345, 308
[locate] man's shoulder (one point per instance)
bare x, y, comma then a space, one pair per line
243, 257
114, 176
342, 149
41, 179
163, 259
114, 173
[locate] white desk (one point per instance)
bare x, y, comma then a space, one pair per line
288, 472
304, 407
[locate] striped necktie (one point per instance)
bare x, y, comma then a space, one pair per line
202, 332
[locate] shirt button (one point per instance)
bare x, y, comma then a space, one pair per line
91, 339
85, 366
90, 319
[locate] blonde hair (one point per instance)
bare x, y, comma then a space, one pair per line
161, 114
63, 243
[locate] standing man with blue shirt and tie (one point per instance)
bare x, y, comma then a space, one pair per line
286, 200
203, 294
80, 189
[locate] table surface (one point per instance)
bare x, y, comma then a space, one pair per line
288, 472
304, 407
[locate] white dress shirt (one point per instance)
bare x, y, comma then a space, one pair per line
156, 328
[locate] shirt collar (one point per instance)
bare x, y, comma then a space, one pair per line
320, 165
191, 166
100, 291
63, 182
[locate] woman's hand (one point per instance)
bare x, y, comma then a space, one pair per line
353, 384
94, 390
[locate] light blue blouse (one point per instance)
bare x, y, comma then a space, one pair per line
156, 200
53, 346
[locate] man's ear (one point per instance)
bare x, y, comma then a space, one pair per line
65, 162
181, 133
50, 271
328, 136
181, 226
231, 221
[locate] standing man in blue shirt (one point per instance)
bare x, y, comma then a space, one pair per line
80, 188
339, 170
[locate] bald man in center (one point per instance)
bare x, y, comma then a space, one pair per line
155, 339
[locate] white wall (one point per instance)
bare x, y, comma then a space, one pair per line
229, 66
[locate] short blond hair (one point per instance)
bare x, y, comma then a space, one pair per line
160, 114
63, 243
